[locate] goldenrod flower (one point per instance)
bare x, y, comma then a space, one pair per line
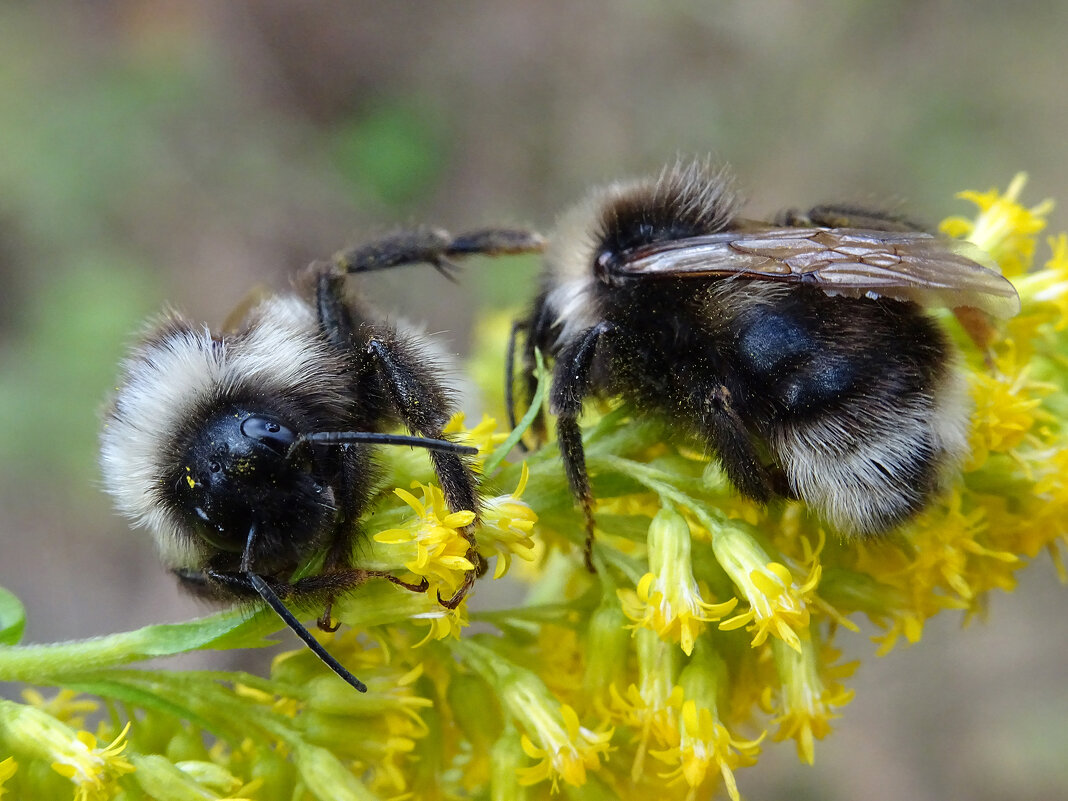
606, 645
551, 732
1050, 285
807, 699
506, 526
7, 770
66, 705
505, 754
93, 769
1004, 229
166, 781
72, 754
667, 599
950, 552
1006, 404
777, 602
432, 544
326, 776
703, 743
648, 708
566, 749
443, 623
483, 436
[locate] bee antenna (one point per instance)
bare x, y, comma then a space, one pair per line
375, 438
280, 609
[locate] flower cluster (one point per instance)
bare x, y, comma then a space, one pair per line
711, 630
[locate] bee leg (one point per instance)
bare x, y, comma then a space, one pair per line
196, 582
329, 585
496, 242
510, 377
844, 215
226, 583
421, 405
422, 586
569, 438
411, 388
538, 327
340, 580
733, 446
529, 383
571, 385
212, 582
433, 246
335, 556
978, 326
325, 621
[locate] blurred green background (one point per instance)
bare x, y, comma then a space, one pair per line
184, 152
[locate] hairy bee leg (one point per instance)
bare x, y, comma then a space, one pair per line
536, 328
419, 405
337, 560
433, 246
734, 447
844, 215
569, 438
529, 383
326, 622
338, 326
424, 414
414, 394
496, 242
308, 587
509, 372
539, 326
237, 583
571, 385
335, 318
213, 582
422, 586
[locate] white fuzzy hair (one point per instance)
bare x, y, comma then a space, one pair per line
180, 368
855, 472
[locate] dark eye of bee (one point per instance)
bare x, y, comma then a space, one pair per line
269, 432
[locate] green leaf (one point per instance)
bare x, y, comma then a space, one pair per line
236, 628
12, 618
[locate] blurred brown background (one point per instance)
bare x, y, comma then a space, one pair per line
183, 152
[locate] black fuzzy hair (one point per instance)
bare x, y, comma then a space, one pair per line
687, 199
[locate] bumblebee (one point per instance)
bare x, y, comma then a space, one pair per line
247, 451
798, 352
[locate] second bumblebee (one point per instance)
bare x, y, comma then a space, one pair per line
798, 352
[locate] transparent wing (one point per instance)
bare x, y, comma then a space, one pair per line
840, 261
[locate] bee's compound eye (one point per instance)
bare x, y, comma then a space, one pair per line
268, 431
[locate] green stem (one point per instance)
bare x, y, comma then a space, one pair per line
38, 663
495, 458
